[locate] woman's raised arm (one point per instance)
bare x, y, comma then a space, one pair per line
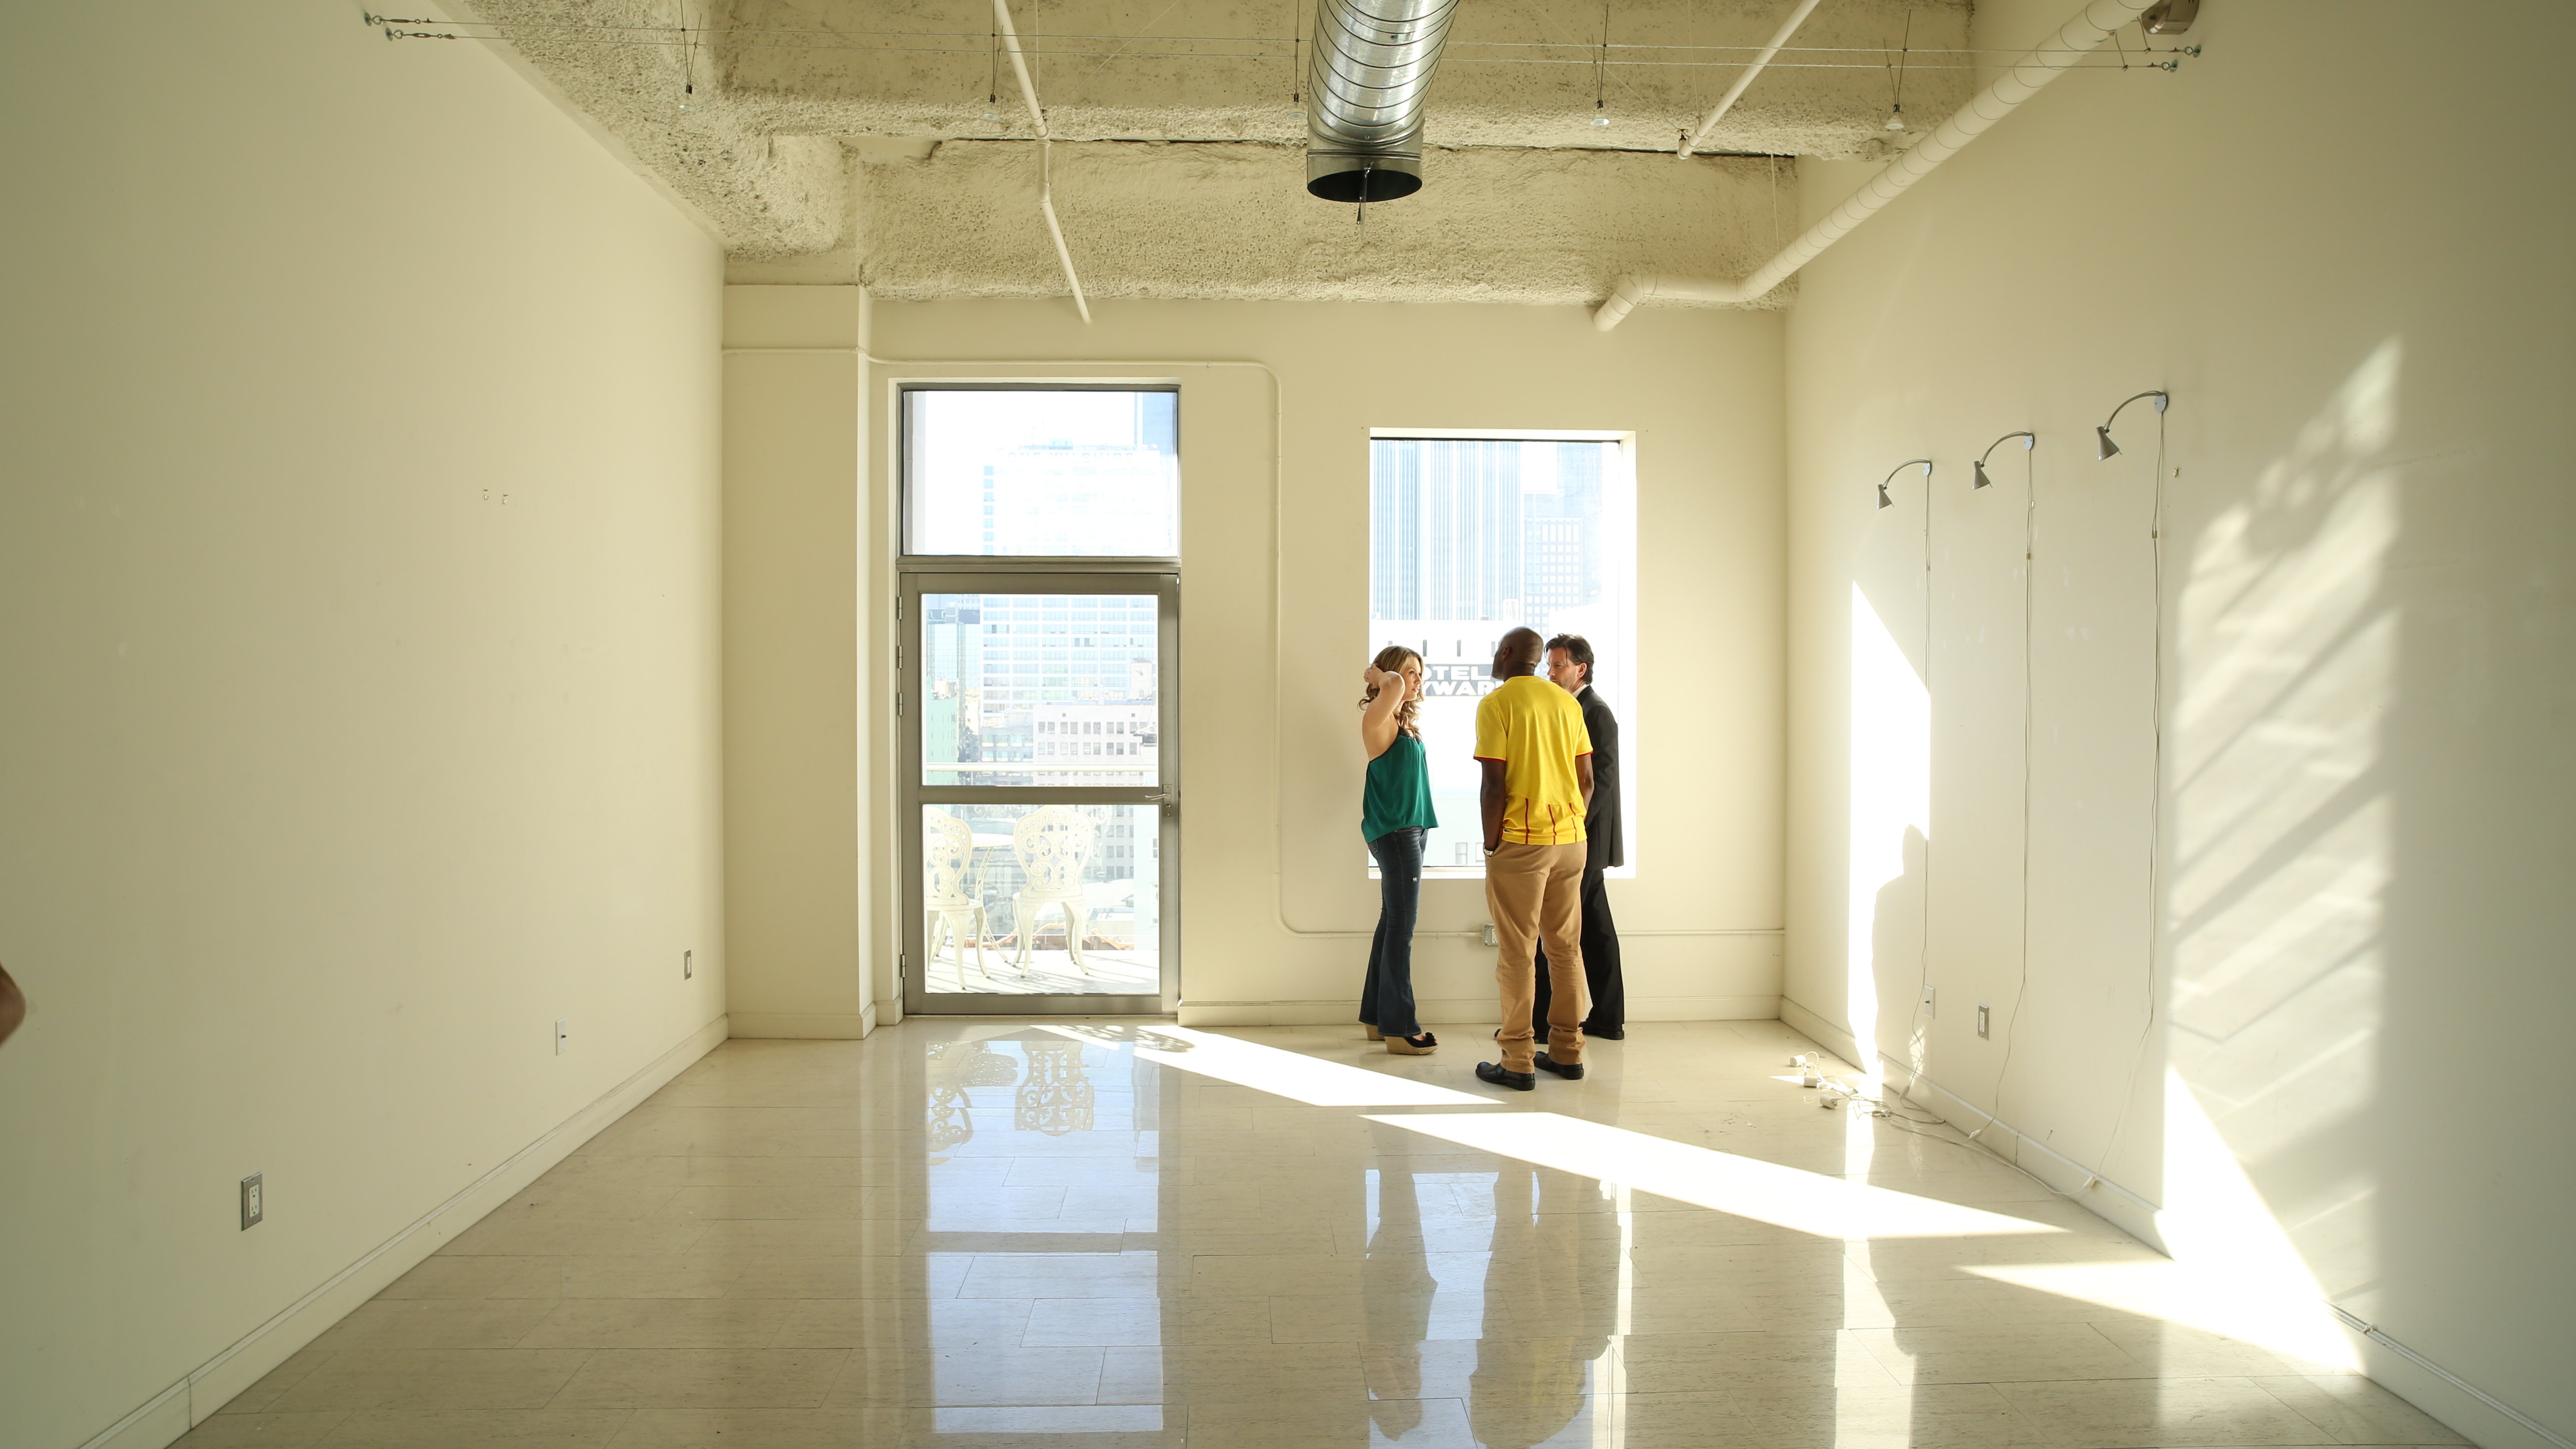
1377, 717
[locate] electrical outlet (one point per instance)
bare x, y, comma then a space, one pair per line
1982, 1020
1490, 938
254, 1205
1931, 1001
688, 965
563, 1029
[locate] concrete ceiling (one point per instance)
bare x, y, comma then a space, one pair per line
882, 140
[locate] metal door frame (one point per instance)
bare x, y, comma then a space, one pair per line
939, 575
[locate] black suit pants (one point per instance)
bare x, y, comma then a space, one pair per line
1600, 941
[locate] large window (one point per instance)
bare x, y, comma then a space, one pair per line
1037, 599
1042, 473
1470, 536
1040, 689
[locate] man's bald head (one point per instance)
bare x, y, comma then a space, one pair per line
1518, 652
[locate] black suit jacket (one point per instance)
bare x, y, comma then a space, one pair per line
1602, 845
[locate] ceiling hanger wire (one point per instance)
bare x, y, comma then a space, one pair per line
1130, 40
612, 33
1588, 53
1896, 76
1775, 203
1601, 70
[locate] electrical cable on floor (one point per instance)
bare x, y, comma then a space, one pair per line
1879, 1108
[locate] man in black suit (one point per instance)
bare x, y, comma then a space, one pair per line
1569, 664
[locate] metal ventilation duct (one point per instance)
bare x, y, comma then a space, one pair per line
1365, 88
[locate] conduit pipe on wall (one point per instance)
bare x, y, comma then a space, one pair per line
2073, 41
1365, 88
1046, 162
1734, 92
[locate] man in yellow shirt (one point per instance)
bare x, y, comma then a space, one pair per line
1537, 760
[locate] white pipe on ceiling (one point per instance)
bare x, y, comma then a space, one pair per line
1726, 102
1046, 169
2051, 57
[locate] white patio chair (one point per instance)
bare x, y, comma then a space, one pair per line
1054, 844
947, 855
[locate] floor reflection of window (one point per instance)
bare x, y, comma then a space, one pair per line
1031, 1208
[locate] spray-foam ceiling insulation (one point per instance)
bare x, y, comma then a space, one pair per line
853, 139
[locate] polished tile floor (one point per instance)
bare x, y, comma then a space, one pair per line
1103, 1235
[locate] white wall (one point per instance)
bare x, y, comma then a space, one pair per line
797, 812
2357, 962
358, 563
1276, 904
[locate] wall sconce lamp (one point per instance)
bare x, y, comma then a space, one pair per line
2029, 440
1923, 463
2107, 447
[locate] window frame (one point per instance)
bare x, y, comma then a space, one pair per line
1627, 700
907, 558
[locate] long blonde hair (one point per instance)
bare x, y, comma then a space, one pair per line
1408, 714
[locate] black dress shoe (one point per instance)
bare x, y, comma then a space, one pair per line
1518, 1081
1572, 1074
1615, 1033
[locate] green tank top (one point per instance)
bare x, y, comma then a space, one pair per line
1398, 795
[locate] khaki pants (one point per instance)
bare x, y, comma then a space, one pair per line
1534, 891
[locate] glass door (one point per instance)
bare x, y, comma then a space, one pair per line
1038, 718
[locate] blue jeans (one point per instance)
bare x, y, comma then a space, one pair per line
1386, 1001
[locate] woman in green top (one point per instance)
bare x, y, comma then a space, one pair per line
1395, 816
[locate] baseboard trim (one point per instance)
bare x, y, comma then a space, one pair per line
2130, 1210
192, 1400
806, 1025
1703, 1008
1834, 1038
2465, 1408
2470, 1411
1465, 1011
161, 1420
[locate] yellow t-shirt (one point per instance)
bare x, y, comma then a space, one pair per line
1536, 730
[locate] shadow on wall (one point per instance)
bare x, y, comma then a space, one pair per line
2278, 856
2275, 858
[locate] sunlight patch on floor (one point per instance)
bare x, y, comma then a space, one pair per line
1306, 1079
1766, 1192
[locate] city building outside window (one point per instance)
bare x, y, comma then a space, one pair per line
1472, 535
